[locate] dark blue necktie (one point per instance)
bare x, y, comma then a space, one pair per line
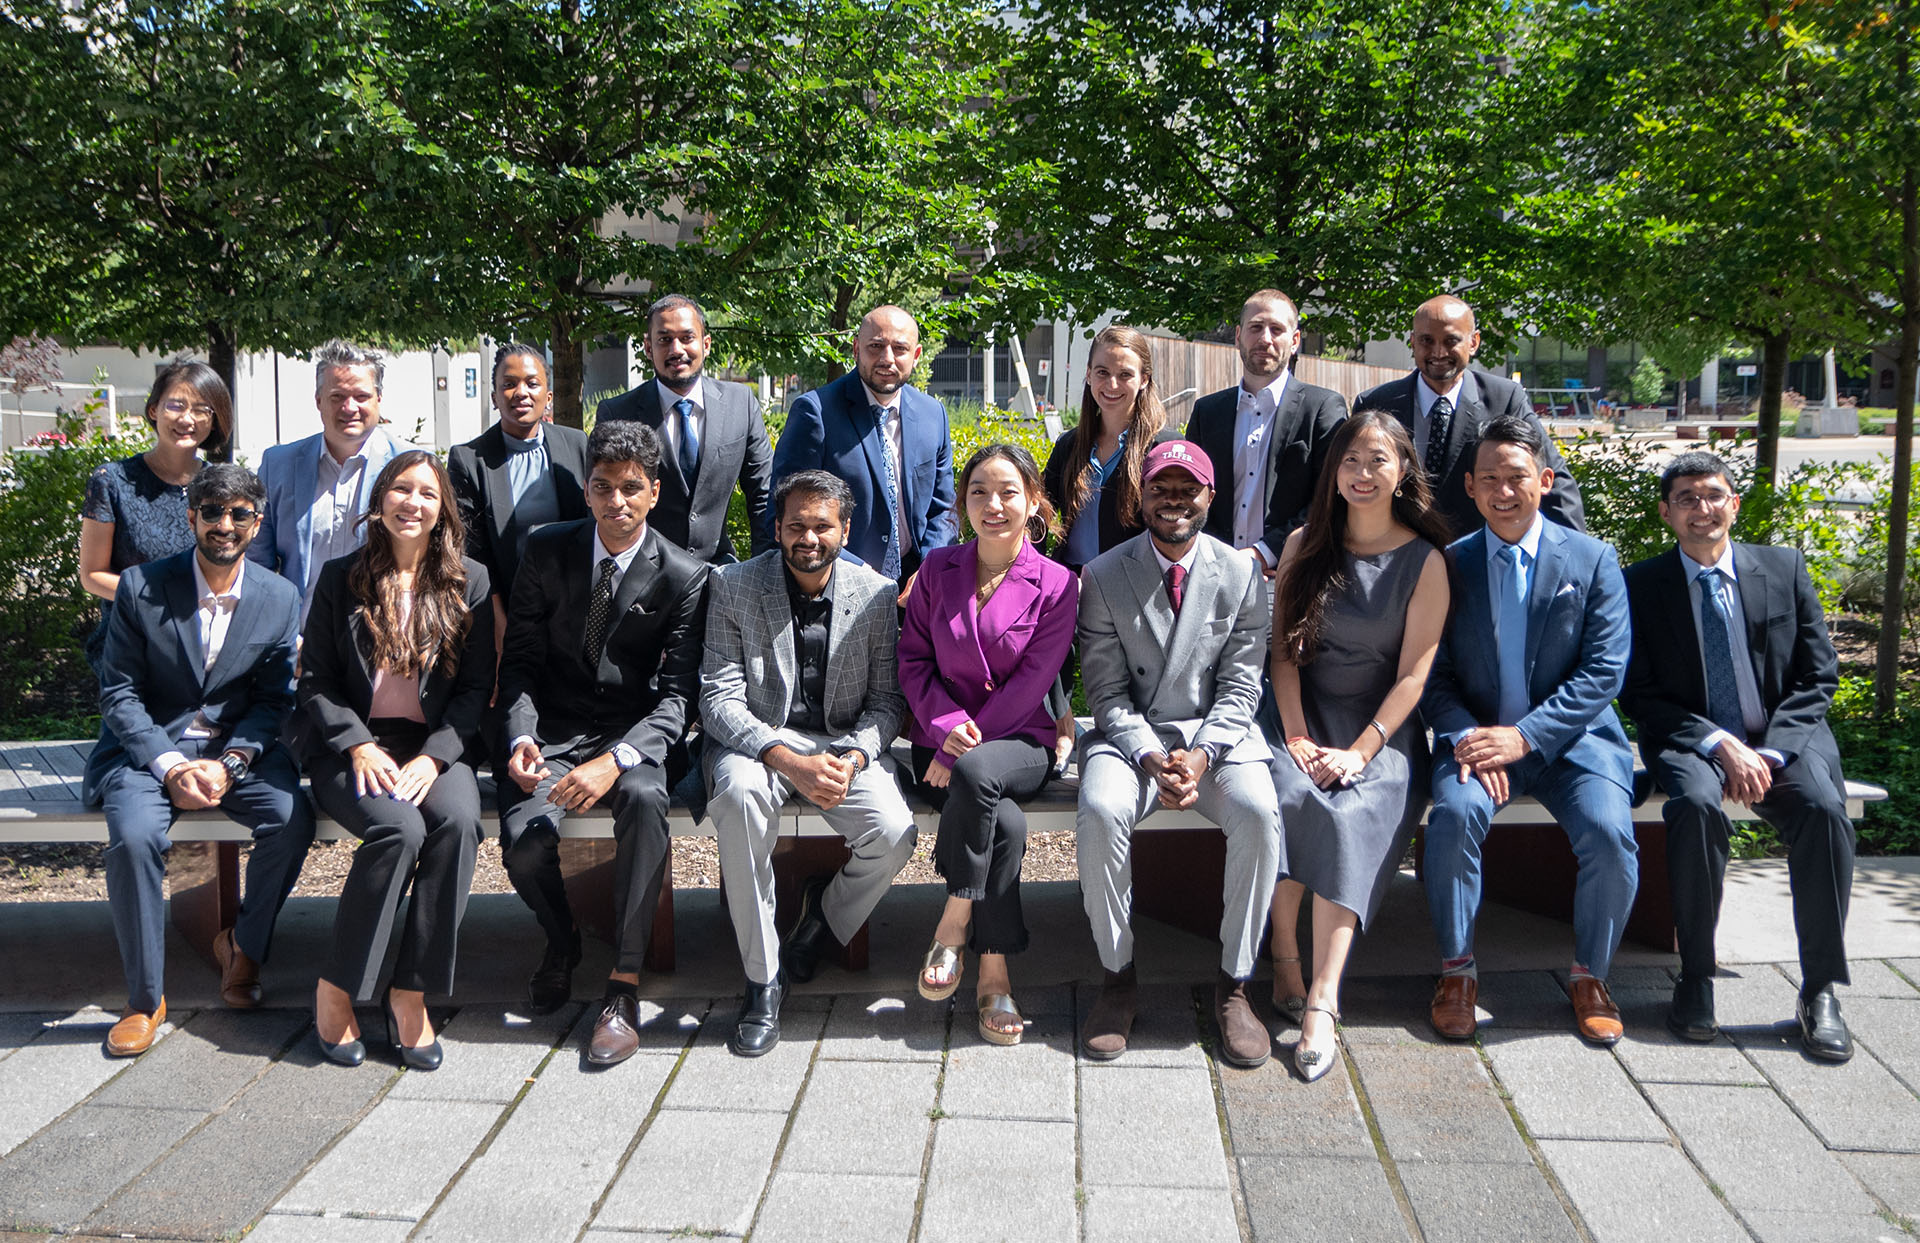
689, 440
1723, 691
890, 563
1439, 422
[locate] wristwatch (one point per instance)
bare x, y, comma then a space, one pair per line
236, 765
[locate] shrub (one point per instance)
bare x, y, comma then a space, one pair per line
1648, 383
1886, 752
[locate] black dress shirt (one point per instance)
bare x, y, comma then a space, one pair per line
812, 618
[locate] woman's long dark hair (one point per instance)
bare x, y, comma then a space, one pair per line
1040, 508
1143, 424
1319, 565
433, 631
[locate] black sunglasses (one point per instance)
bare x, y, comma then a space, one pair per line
242, 515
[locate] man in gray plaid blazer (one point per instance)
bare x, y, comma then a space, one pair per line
800, 694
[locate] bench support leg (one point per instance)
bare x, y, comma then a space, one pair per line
205, 882
586, 864
797, 860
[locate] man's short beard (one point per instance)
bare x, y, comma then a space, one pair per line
825, 561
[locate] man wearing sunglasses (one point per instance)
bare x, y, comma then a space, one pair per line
196, 682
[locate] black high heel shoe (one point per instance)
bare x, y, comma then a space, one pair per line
428, 1058
346, 1053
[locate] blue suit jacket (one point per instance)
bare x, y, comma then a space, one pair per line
152, 675
290, 473
833, 429
1578, 643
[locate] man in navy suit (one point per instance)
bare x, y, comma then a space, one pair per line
195, 685
1730, 684
887, 439
1445, 404
1529, 712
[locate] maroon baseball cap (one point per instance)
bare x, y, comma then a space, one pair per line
1185, 454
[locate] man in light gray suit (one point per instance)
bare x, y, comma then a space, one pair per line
1173, 635
800, 694
713, 433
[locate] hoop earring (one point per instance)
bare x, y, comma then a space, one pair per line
1396, 491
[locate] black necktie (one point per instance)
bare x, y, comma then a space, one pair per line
1439, 417
598, 611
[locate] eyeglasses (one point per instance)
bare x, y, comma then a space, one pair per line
176, 405
1701, 500
243, 515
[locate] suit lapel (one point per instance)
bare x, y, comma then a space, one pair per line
183, 604
1678, 605
873, 442
1540, 591
654, 411
240, 628
1143, 574
723, 412
1753, 602
493, 455
1473, 618
576, 579
1464, 424
1281, 431
1196, 606
641, 572
1406, 402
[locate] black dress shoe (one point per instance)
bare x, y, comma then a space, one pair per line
758, 1028
1691, 1015
551, 985
427, 1057
1822, 1030
616, 1033
811, 937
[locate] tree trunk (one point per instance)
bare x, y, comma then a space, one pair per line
837, 320
1773, 382
221, 357
1886, 665
569, 371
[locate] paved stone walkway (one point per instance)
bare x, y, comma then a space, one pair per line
888, 1119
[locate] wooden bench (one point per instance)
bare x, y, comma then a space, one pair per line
1178, 856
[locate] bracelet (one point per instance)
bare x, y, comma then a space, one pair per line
1298, 738
1383, 730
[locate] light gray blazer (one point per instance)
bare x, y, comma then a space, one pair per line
750, 678
1156, 684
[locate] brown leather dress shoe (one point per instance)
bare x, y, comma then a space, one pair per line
1103, 1036
1595, 1016
1244, 1039
616, 1033
239, 975
1453, 1001
134, 1033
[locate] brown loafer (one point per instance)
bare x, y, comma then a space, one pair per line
1244, 1039
616, 1033
1453, 1001
239, 975
134, 1033
1595, 1016
1104, 1035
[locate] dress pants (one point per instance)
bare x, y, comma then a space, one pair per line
431, 848
530, 846
267, 800
745, 801
983, 833
1597, 815
1115, 795
1807, 806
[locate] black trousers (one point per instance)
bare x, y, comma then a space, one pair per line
1807, 805
983, 834
530, 847
430, 849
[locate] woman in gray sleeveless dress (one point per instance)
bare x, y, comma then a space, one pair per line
1361, 603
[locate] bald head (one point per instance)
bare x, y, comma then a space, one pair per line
1444, 341
887, 349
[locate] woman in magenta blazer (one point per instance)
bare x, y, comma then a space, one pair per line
987, 628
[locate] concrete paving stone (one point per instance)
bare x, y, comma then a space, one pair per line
1652, 1054
1887, 1028
1640, 979
863, 1118
42, 1080
1435, 1103
713, 1078
1269, 1111
1385, 1007
1907, 967
1478, 1202
649, 1236
1522, 1000
1322, 1199
1822, 1228
1034, 1079
1872, 977
19, 1029
888, 1027
396, 1161
1762, 1157
229, 1171
300, 1228
1893, 1177
695, 1170
1151, 1214
490, 1053
1857, 1105
541, 1175
214, 1054
1629, 1193
1149, 1127
1166, 1027
59, 1177
1753, 997
836, 1208
1566, 1089
994, 1179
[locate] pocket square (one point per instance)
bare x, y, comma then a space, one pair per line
1566, 589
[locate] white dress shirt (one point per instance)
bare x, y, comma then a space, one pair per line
215, 615
335, 514
1252, 449
670, 418
1753, 713
1423, 399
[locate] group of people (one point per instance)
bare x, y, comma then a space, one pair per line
1270, 616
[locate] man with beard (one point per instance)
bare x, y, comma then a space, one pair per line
196, 683
888, 440
801, 694
711, 431
1173, 635
1268, 433
1445, 403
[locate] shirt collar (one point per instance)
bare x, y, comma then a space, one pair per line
1185, 563
200, 588
795, 594
1276, 390
1426, 396
1530, 542
622, 559
890, 402
696, 395
1724, 565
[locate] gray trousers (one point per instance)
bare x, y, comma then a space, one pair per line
1115, 796
744, 803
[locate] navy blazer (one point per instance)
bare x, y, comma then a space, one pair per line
1483, 398
484, 492
833, 429
733, 449
153, 679
1578, 642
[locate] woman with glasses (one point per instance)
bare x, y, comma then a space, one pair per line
136, 509
396, 669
